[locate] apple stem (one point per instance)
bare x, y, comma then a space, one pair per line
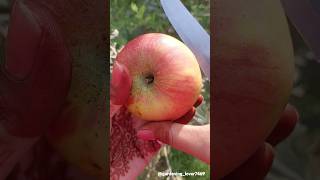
149, 79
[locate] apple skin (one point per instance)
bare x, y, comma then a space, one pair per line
253, 76
80, 136
166, 77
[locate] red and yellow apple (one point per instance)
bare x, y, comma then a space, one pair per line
253, 76
166, 78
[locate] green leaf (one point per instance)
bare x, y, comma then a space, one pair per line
141, 11
134, 7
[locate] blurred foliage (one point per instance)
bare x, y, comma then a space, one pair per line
130, 19
306, 93
137, 17
179, 162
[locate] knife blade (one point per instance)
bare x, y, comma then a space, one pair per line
190, 31
305, 16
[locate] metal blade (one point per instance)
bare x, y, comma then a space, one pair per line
190, 31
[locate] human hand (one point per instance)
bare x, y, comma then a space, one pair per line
34, 80
259, 164
35, 72
128, 154
193, 140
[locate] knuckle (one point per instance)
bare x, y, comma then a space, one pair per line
165, 134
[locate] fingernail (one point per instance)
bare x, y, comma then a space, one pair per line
146, 135
23, 42
270, 148
296, 112
198, 102
292, 108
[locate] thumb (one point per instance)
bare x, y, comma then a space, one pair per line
35, 72
193, 140
120, 84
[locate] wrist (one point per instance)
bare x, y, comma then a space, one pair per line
193, 140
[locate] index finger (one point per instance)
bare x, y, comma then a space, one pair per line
285, 126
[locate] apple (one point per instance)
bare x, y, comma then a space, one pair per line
253, 76
166, 78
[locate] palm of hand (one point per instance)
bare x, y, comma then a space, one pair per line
128, 154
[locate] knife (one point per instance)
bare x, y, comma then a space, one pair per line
305, 16
190, 31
